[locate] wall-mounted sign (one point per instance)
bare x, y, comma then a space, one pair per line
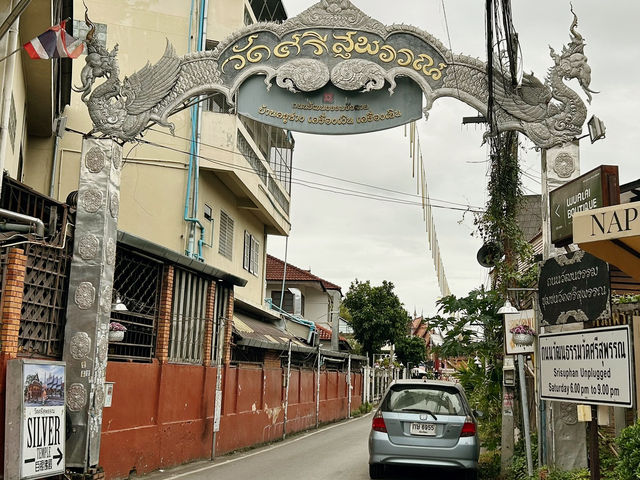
574, 288
329, 110
512, 320
595, 189
591, 366
35, 419
616, 222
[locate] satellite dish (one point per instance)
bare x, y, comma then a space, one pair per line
489, 254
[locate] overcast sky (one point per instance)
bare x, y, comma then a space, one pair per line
341, 238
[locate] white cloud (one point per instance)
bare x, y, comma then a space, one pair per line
342, 237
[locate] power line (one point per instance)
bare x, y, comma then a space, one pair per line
313, 185
332, 177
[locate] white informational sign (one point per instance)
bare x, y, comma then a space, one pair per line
43, 420
512, 320
592, 366
217, 411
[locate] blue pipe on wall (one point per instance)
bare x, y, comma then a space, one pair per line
194, 166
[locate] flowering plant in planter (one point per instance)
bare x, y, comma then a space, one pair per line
522, 330
117, 327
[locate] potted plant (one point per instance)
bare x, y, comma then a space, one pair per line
116, 331
523, 334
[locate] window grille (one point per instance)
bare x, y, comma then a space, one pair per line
188, 317
251, 157
226, 236
247, 17
45, 300
217, 103
136, 285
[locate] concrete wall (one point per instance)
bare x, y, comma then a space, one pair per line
171, 421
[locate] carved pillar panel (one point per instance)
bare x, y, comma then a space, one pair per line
89, 305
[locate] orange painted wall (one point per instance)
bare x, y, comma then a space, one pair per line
162, 414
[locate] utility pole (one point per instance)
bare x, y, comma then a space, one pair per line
286, 394
318, 388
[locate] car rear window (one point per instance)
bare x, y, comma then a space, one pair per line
435, 399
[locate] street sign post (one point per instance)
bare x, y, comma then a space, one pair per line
591, 366
595, 189
35, 419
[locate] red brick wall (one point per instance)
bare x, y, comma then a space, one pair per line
164, 315
10, 313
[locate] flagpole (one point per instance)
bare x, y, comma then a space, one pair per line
12, 53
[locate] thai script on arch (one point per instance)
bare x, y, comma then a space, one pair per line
339, 46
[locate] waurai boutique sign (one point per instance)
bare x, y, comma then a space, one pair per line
331, 111
574, 288
591, 366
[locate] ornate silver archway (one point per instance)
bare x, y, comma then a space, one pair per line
333, 41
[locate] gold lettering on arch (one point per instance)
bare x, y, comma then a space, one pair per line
253, 54
343, 47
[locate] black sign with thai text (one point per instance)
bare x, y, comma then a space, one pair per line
574, 288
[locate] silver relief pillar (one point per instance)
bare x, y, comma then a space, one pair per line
89, 304
564, 441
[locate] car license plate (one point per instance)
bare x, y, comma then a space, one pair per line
423, 429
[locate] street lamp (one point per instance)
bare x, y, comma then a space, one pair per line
507, 308
597, 129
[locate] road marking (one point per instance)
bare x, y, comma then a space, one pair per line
268, 449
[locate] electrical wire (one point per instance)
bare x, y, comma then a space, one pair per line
315, 185
311, 172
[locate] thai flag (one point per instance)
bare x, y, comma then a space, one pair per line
54, 43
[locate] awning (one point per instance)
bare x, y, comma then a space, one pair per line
611, 234
256, 333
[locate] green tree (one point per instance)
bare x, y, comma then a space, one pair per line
411, 350
377, 315
472, 327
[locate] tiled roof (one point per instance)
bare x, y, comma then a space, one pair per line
325, 334
275, 272
419, 327
529, 216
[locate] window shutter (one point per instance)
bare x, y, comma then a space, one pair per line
226, 236
255, 256
246, 262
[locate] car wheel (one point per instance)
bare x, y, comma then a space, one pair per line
471, 475
376, 470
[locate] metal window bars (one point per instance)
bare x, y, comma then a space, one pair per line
136, 286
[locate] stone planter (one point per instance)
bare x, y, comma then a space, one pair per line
116, 336
523, 339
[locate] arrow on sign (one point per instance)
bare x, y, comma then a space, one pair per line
30, 460
59, 456
557, 208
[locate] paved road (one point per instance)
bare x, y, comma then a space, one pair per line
336, 452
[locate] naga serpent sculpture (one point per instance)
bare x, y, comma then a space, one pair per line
549, 113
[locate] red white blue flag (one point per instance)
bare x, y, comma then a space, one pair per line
54, 43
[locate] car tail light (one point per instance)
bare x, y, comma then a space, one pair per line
468, 429
378, 423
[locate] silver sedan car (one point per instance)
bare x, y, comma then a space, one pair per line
424, 422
